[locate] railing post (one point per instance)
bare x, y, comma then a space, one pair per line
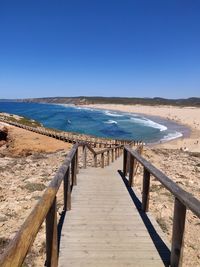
102, 160
95, 161
178, 233
52, 237
73, 167
77, 167
125, 162
115, 153
135, 167
128, 163
108, 157
131, 170
67, 191
112, 151
145, 190
84, 157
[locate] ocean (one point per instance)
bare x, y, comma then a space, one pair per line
102, 123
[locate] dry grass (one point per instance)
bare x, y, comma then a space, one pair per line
32, 187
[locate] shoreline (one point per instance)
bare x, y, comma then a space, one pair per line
187, 117
181, 120
182, 131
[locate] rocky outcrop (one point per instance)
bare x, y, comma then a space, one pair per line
3, 133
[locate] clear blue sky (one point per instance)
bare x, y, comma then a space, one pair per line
99, 47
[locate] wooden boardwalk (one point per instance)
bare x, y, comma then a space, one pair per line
108, 225
104, 227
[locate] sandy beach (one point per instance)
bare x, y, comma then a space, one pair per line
187, 116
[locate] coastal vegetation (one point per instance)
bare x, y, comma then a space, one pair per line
19, 119
85, 100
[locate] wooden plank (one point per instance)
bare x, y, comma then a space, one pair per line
112, 263
104, 225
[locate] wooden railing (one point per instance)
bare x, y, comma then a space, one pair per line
183, 199
106, 155
46, 210
72, 138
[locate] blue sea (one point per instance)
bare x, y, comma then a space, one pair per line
102, 123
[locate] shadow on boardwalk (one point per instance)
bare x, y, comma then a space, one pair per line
60, 226
160, 245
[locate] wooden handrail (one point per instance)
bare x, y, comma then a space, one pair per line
114, 149
19, 246
45, 209
186, 198
73, 137
108, 149
183, 199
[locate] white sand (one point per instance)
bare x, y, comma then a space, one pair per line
188, 116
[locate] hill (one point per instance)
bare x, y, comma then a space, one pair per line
85, 100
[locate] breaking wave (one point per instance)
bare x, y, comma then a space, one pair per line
149, 123
171, 136
111, 122
108, 113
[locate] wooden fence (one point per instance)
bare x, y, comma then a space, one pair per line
73, 138
183, 199
46, 209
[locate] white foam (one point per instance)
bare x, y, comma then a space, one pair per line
75, 107
111, 122
63, 105
108, 113
149, 123
171, 136
83, 108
